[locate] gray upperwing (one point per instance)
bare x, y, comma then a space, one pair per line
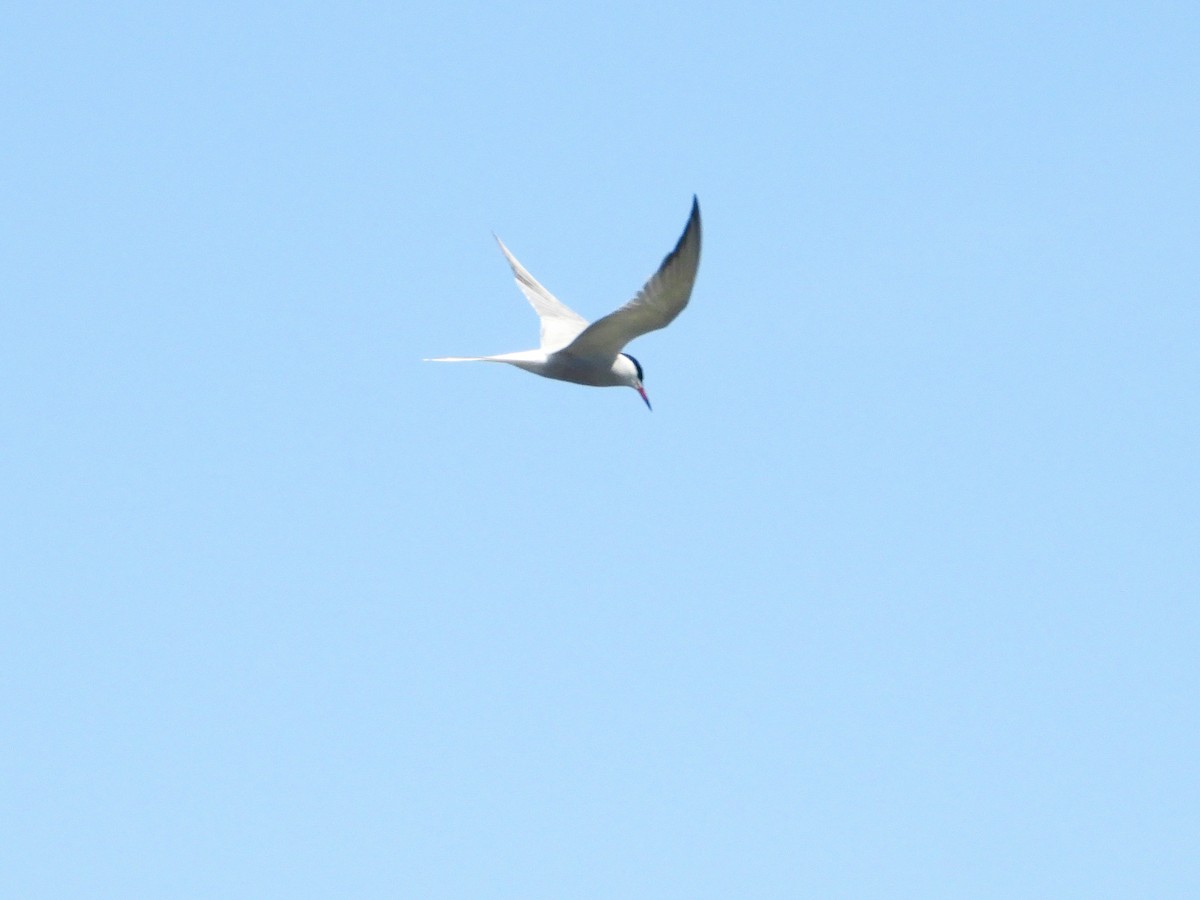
656, 305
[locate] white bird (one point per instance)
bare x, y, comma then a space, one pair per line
573, 350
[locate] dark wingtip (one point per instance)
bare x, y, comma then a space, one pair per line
693, 225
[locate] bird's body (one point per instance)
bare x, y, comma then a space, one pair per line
590, 354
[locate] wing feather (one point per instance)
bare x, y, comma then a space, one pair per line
560, 323
656, 305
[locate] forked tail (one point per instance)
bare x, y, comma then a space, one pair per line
520, 358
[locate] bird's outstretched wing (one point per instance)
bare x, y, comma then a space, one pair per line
560, 324
655, 306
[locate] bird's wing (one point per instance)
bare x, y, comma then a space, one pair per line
655, 306
560, 324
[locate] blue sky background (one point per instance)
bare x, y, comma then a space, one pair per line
894, 594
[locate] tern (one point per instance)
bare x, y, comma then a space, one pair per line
573, 350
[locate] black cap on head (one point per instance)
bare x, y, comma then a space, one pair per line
637, 365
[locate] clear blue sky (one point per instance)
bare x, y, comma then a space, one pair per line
894, 594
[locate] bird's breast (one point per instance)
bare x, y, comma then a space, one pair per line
582, 370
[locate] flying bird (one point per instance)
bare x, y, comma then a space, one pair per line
573, 350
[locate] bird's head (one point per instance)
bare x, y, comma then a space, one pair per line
632, 370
